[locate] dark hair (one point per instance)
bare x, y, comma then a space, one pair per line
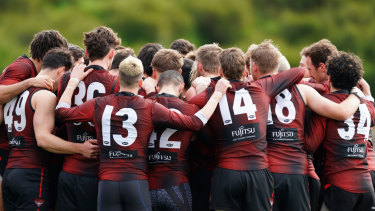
100, 41
76, 51
56, 58
170, 77
186, 69
120, 55
319, 52
45, 41
146, 54
232, 62
182, 46
345, 70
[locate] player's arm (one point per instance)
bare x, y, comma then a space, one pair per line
314, 133
277, 83
326, 107
8, 92
199, 119
319, 87
365, 89
1, 115
44, 103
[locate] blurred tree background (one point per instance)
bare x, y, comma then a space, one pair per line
290, 24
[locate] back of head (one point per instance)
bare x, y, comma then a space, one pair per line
120, 55
284, 64
345, 70
208, 56
232, 62
186, 69
130, 72
146, 54
76, 51
266, 56
182, 46
248, 54
100, 41
56, 58
170, 77
320, 51
45, 41
167, 59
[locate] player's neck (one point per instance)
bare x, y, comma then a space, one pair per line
38, 65
126, 89
100, 62
169, 90
210, 75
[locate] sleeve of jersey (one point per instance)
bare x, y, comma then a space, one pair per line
199, 100
319, 87
277, 83
314, 132
81, 113
16, 74
164, 117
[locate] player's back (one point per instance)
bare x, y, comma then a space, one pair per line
346, 148
98, 83
18, 117
285, 133
167, 147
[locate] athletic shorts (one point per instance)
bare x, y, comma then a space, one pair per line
290, 192
3, 160
124, 195
25, 189
314, 190
337, 199
76, 192
241, 190
200, 184
175, 198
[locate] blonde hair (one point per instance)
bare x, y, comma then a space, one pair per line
266, 56
130, 71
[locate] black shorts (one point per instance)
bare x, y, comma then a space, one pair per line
25, 189
124, 195
200, 184
3, 160
314, 190
174, 198
241, 190
76, 192
290, 192
338, 199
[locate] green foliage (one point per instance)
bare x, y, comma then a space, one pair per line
291, 24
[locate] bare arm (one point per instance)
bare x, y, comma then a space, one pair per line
44, 103
1, 114
326, 107
8, 92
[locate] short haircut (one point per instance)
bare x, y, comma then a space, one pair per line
186, 69
248, 54
146, 54
100, 41
130, 72
191, 55
303, 51
345, 70
45, 41
120, 55
284, 64
320, 51
232, 62
56, 58
76, 51
182, 46
208, 56
266, 56
167, 59
170, 77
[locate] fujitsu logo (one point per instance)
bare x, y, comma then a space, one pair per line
118, 153
84, 137
39, 202
15, 142
282, 134
159, 157
243, 131
356, 149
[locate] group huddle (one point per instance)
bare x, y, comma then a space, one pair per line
184, 129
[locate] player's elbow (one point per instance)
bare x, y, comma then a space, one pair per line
42, 140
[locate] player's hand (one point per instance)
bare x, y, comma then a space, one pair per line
201, 81
365, 87
222, 85
358, 92
79, 72
90, 148
149, 85
43, 81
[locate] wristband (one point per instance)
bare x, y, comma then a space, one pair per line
356, 94
369, 98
